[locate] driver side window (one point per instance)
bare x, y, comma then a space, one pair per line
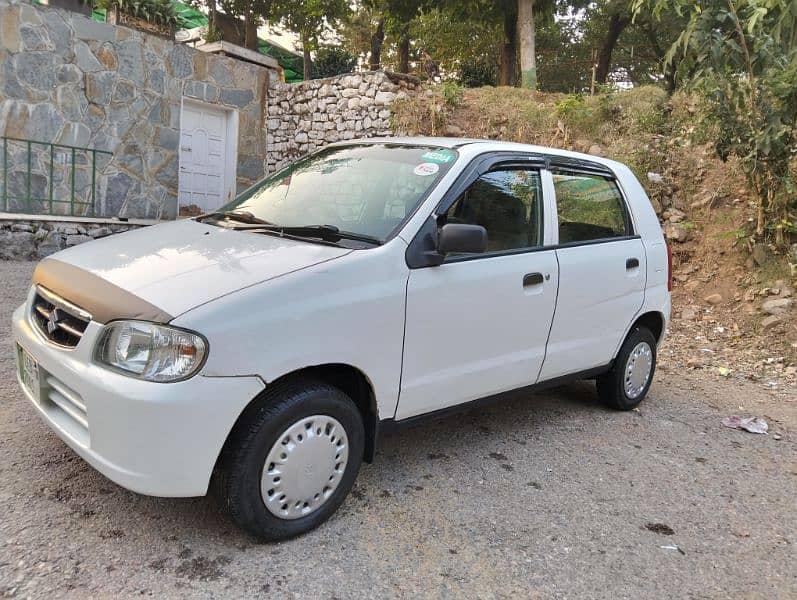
508, 204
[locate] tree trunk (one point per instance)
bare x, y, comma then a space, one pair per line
307, 62
527, 39
670, 69
508, 70
617, 23
250, 32
404, 53
377, 39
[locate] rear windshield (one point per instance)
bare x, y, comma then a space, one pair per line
366, 189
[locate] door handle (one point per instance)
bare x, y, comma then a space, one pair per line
532, 279
631, 263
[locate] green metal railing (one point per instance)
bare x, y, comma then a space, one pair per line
39, 160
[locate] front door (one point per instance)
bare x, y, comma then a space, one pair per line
477, 324
203, 157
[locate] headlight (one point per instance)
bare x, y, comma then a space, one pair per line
150, 351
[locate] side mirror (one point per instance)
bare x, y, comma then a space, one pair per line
461, 238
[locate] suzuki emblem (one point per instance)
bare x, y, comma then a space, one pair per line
52, 322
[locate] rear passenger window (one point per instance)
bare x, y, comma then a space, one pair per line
589, 207
508, 204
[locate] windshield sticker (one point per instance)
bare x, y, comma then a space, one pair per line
427, 168
439, 156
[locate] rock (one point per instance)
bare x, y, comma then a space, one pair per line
689, 314
713, 299
777, 306
100, 232
16, 245
74, 240
655, 177
596, 150
770, 322
453, 130
21, 227
677, 232
760, 254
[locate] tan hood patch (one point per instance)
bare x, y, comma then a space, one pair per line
104, 300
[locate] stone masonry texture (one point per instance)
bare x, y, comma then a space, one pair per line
68, 80
303, 117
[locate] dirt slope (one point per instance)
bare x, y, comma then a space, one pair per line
734, 311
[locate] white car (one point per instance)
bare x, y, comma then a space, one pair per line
266, 346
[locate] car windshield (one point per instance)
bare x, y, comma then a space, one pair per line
368, 190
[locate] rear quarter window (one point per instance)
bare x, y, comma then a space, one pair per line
589, 207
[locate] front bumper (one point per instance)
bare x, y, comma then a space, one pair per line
160, 439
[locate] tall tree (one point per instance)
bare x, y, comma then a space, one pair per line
528, 11
310, 19
527, 34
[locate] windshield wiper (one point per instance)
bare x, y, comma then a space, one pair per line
241, 216
328, 233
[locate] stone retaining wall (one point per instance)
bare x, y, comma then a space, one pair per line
69, 80
305, 116
34, 239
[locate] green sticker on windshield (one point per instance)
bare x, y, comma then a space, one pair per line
439, 156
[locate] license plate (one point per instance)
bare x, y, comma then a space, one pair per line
29, 372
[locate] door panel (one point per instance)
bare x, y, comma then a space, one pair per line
203, 132
599, 295
473, 329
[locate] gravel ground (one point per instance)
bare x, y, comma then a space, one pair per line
547, 495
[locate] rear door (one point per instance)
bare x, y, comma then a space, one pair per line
477, 324
601, 272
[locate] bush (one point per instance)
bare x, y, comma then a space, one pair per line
333, 60
477, 73
452, 93
160, 12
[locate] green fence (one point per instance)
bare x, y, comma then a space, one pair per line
52, 179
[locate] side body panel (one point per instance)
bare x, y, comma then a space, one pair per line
348, 311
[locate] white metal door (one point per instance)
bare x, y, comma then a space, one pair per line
475, 328
601, 288
203, 157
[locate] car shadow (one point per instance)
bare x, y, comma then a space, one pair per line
460, 436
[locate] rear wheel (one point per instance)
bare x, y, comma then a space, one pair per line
628, 382
291, 462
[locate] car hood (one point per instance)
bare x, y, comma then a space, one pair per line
175, 266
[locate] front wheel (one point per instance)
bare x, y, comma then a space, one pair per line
290, 463
628, 382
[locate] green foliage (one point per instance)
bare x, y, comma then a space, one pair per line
160, 12
477, 73
333, 60
741, 55
309, 18
211, 33
452, 93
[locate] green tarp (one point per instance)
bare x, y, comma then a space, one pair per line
189, 17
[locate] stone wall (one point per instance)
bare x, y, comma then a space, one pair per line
69, 80
305, 116
32, 239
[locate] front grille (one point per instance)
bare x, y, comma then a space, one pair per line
58, 320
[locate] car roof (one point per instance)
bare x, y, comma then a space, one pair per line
477, 146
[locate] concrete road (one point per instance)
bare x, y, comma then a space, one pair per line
546, 495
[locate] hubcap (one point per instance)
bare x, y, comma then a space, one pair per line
637, 369
304, 467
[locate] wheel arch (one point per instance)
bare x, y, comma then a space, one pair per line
652, 320
347, 378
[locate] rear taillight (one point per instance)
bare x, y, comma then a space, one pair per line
669, 266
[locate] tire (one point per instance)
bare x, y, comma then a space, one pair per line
291, 407
612, 388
